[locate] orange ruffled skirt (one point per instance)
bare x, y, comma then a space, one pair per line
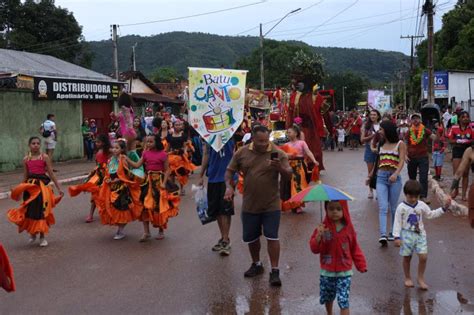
159, 204
35, 214
91, 185
295, 185
181, 167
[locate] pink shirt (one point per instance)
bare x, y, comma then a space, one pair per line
101, 157
36, 167
154, 160
299, 146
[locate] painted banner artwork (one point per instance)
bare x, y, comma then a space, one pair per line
216, 103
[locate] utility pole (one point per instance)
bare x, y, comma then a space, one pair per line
412, 66
428, 9
134, 56
262, 83
115, 51
344, 99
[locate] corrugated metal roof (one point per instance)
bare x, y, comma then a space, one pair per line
31, 64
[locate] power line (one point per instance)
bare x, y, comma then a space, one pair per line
195, 15
329, 19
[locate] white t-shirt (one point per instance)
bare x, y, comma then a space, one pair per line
408, 217
446, 118
341, 135
50, 125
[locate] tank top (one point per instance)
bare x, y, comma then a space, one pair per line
36, 167
101, 157
299, 146
154, 160
389, 158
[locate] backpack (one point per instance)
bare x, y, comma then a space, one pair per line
45, 133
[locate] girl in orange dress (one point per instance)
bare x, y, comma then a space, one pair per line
160, 201
35, 214
96, 177
119, 196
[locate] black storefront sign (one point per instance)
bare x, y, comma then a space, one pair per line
69, 89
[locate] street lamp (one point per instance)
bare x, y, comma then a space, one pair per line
344, 99
262, 80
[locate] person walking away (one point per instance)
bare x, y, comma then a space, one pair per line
87, 139
461, 136
446, 117
410, 233
417, 153
50, 134
35, 214
355, 131
336, 238
341, 137
368, 138
261, 163
214, 165
389, 182
466, 162
439, 147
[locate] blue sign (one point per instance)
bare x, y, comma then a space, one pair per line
440, 84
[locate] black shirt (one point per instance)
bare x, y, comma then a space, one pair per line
176, 143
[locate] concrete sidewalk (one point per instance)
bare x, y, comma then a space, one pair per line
67, 172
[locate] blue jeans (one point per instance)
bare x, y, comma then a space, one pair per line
89, 146
387, 196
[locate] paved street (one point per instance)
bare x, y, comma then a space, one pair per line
85, 271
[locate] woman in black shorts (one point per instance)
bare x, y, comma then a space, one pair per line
460, 137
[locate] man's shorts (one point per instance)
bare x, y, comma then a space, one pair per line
252, 224
216, 205
355, 136
413, 242
332, 287
50, 144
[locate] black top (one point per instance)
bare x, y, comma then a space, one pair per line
176, 143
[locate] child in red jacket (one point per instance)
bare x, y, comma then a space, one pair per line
336, 242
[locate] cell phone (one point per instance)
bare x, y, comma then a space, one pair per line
274, 156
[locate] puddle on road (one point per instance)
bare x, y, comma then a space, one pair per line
413, 302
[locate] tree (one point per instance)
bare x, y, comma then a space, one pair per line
277, 57
166, 75
354, 91
42, 27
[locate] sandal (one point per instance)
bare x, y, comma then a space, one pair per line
370, 195
160, 236
89, 219
145, 238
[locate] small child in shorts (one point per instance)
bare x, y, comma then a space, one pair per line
335, 241
439, 146
341, 137
409, 231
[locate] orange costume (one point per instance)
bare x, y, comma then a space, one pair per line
35, 214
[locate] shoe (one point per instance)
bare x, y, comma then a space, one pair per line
253, 271
370, 195
119, 236
89, 219
225, 248
43, 242
145, 238
32, 239
160, 236
275, 278
218, 246
383, 240
390, 237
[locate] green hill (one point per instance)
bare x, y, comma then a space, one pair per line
181, 49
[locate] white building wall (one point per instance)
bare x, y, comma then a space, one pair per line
459, 86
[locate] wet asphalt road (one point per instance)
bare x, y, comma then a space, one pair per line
85, 271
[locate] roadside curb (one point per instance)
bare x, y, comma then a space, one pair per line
6, 194
456, 208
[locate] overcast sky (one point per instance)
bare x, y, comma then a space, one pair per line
342, 23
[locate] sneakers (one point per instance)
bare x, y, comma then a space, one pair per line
218, 246
119, 236
383, 240
390, 237
225, 248
43, 242
275, 278
32, 239
254, 270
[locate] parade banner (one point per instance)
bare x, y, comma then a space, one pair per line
377, 99
216, 103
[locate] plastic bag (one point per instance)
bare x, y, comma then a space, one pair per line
200, 197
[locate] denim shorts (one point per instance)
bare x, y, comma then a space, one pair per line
332, 287
438, 158
252, 224
369, 155
413, 242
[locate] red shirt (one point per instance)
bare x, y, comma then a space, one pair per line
338, 250
355, 129
461, 136
154, 160
420, 150
101, 157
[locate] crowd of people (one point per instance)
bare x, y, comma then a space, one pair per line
143, 165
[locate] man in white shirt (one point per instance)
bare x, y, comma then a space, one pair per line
447, 117
49, 132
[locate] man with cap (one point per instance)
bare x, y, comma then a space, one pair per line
417, 153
